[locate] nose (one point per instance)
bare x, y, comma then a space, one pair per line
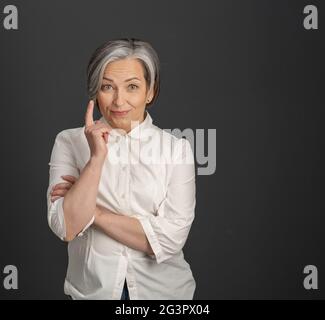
119, 98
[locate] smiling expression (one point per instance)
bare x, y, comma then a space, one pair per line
123, 93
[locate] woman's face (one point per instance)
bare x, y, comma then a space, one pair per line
123, 94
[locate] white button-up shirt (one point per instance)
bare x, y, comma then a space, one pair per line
148, 174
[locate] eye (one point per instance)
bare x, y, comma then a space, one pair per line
105, 86
133, 86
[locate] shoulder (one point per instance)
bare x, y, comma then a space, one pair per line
179, 146
70, 135
167, 135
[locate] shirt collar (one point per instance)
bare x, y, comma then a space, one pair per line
140, 131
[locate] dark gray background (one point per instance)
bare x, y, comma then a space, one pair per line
245, 68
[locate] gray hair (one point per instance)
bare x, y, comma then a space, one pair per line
120, 49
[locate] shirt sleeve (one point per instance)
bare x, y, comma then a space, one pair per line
168, 229
61, 163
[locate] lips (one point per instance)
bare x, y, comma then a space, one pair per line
120, 113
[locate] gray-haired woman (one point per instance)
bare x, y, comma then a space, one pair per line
121, 190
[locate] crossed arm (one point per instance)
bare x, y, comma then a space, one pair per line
124, 229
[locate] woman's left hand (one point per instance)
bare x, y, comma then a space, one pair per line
60, 189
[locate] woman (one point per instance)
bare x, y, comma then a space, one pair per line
121, 190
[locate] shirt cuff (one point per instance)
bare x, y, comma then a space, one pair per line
80, 234
56, 218
152, 239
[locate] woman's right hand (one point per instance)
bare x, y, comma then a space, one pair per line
97, 134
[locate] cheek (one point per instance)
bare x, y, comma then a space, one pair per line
103, 97
138, 98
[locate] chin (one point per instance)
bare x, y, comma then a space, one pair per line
120, 122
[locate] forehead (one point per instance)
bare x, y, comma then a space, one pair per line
124, 68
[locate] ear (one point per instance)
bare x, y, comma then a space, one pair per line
149, 96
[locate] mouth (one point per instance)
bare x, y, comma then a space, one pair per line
120, 113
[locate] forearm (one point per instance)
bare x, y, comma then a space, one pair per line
80, 201
124, 229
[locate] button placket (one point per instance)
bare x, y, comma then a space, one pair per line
126, 170
124, 167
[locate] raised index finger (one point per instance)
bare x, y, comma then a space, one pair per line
89, 119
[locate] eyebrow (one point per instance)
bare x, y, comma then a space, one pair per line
124, 81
